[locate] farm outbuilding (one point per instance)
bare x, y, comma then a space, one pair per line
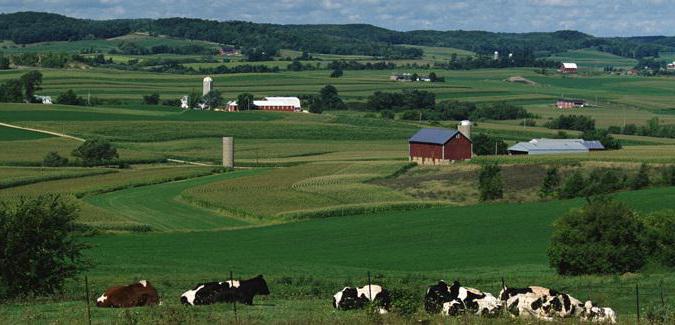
438, 146
570, 103
569, 68
285, 104
554, 146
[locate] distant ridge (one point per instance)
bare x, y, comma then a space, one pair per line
358, 39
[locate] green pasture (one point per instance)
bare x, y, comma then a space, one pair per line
10, 134
100, 45
306, 262
16, 176
441, 54
589, 59
160, 208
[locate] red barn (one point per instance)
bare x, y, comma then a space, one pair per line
569, 68
436, 146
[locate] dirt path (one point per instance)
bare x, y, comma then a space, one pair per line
42, 131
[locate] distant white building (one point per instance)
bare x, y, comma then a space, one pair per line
569, 68
185, 102
554, 146
207, 85
670, 66
286, 104
44, 99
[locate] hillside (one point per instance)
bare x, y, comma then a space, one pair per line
354, 39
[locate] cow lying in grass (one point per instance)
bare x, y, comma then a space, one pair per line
357, 298
546, 304
454, 300
227, 291
138, 294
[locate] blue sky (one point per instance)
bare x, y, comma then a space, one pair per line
597, 17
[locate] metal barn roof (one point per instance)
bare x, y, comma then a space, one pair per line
569, 65
593, 145
550, 146
278, 101
433, 135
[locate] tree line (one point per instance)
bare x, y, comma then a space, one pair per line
32, 27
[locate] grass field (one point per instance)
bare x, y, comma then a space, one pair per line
11, 134
589, 59
306, 262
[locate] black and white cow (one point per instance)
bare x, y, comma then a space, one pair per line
357, 298
597, 314
227, 291
455, 299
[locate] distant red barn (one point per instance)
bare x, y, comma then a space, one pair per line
437, 146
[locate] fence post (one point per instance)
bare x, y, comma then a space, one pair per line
86, 295
370, 293
637, 301
234, 301
503, 283
663, 301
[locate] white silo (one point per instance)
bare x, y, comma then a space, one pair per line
496, 57
207, 85
465, 128
228, 152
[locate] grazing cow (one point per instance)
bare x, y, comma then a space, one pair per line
141, 293
228, 291
357, 298
563, 305
452, 300
597, 314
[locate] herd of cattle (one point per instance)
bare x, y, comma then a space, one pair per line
528, 303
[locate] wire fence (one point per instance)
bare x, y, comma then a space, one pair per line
631, 299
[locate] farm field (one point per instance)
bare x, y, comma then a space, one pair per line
305, 262
589, 59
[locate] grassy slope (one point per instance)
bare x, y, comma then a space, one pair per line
306, 262
159, 207
593, 59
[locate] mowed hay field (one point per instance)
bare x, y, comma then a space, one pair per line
306, 262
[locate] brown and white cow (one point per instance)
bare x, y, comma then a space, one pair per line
138, 294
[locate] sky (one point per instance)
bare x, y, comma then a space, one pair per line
596, 17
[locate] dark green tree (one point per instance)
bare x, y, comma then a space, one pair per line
336, 73
245, 102
485, 144
152, 99
574, 186
551, 183
641, 180
388, 114
660, 229
31, 82
96, 152
69, 98
214, 99
603, 237
4, 62
669, 175
490, 182
53, 159
38, 247
11, 91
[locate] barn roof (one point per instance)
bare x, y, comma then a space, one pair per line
593, 145
278, 101
550, 146
433, 135
569, 65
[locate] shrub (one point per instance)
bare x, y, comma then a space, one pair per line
405, 302
572, 122
641, 180
551, 183
38, 250
70, 98
669, 175
490, 182
388, 114
660, 230
53, 159
337, 73
96, 151
573, 187
603, 237
152, 99
604, 182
